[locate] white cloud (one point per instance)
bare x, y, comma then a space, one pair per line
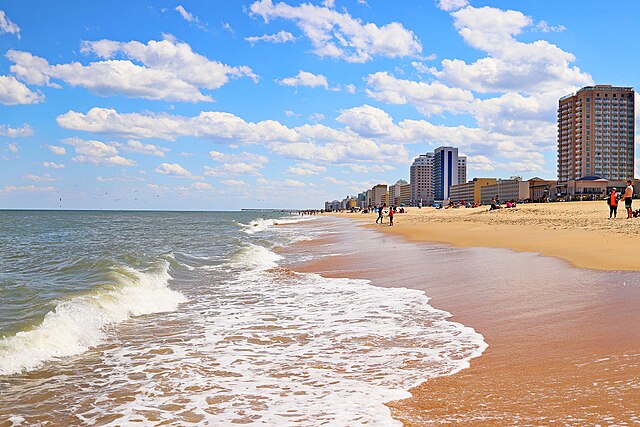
134, 146
307, 142
13, 147
304, 78
511, 65
236, 164
26, 189
350, 88
8, 27
20, 132
546, 28
42, 178
234, 182
202, 186
428, 98
97, 153
173, 169
56, 149
339, 35
123, 178
451, 5
293, 183
185, 15
306, 169
166, 70
279, 37
316, 117
13, 92
52, 165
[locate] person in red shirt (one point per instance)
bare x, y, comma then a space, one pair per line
613, 203
391, 212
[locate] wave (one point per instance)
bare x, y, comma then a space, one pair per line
261, 224
78, 324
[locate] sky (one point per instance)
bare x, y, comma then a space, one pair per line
229, 104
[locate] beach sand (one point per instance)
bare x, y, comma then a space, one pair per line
562, 351
579, 232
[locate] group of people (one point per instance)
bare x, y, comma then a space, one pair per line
614, 198
392, 211
495, 203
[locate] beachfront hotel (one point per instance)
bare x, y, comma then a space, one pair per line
596, 134
433, 174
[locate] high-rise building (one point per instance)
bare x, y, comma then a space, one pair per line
433, 173
400, 193
596, 133
446, 170
421, 179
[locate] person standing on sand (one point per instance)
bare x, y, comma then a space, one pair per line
391, 212
380, 214
628, 198
612, 201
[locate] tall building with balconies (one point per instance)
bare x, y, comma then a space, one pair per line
596, 133
421, 179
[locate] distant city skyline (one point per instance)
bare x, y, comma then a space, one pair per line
286, 104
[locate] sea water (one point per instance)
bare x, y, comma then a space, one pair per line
142, 318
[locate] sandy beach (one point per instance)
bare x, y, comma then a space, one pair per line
578, 232
564, 342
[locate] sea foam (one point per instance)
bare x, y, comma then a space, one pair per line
78, 323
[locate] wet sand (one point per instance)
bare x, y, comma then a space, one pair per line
564, 343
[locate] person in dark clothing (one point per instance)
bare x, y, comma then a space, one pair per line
380, 214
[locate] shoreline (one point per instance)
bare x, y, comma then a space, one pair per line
577, 232
563, 342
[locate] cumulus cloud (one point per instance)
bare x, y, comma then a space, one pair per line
277, 38
20, 132
202, 186
134, 146
338, 35
428, 98
511, 65
306, 169
163, 70
57, 150
236, 164
304, 78
97, 153
13, 92
8, 27
174, 170
52, 165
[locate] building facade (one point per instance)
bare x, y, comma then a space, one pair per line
380, 195
432, 174
596, 134
470, 191
421, 179
505, 189
446, 171
400, 193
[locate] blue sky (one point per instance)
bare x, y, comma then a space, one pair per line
226, 104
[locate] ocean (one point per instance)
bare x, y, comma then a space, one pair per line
200, 318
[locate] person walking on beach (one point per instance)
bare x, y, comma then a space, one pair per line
391, 212
380, 214
613, 203
628, 198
